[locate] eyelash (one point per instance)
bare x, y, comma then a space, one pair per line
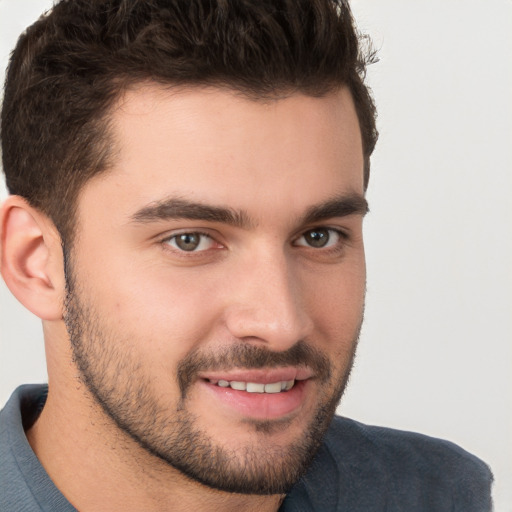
336, 247
166, 241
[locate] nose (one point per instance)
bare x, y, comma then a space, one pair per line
267, 305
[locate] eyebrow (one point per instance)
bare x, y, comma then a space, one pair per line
177, 208
339, 206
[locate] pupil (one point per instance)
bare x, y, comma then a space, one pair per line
187, 241
318, 237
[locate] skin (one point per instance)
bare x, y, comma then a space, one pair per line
138, 306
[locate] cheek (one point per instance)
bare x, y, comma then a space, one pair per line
162, 314
336, 303
339, 286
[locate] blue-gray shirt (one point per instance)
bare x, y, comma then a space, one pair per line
357, 469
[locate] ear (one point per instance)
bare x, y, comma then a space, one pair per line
31, 260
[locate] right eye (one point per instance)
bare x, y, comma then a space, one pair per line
190, 242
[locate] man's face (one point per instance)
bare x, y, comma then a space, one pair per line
216, 284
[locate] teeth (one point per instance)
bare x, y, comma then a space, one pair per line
255, 387
273, 388
289, 384
252, 387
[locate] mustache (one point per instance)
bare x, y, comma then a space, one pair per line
248, 357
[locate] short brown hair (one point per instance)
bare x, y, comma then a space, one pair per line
70, 66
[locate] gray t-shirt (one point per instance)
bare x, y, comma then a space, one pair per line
357, 469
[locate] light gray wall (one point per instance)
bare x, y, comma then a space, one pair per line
435, 354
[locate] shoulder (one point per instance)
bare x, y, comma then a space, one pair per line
368, 468
24, 483
417, 468
406, 452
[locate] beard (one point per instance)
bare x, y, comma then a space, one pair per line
124, 387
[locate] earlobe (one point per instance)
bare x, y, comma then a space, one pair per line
31, 258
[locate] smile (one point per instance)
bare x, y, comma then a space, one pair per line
255, 387
260, 394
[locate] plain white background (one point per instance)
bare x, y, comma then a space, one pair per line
435, 352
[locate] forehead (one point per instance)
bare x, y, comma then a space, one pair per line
213, 145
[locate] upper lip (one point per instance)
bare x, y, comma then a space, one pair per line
260, 375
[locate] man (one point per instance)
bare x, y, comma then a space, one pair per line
188, 189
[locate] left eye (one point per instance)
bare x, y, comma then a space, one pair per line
319, 238
191, 242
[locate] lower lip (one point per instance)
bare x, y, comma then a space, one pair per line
261, 406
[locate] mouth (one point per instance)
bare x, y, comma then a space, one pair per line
259, 394
255, 387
